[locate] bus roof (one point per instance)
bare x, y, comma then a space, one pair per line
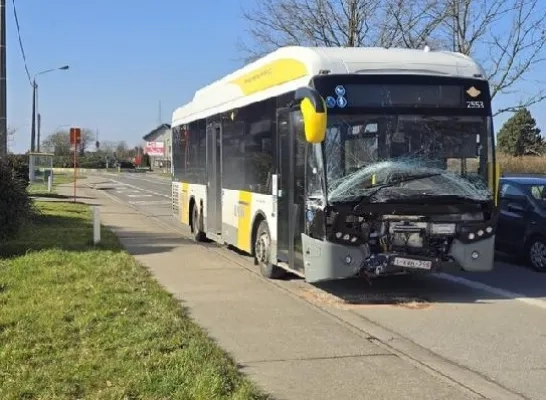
289, 68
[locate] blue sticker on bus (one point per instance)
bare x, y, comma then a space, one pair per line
340, 91
341, 102
330, 102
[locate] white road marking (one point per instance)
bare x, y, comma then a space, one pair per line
150, 202
493, 290
140, 195
151, 179
139, 189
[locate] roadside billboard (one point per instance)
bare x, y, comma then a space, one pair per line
155, 148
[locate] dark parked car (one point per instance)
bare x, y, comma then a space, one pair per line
522, 220
126, 165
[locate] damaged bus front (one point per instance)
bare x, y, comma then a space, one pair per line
404, 179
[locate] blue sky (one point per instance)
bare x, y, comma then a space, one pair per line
125, 56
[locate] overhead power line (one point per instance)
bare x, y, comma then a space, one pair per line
21, 41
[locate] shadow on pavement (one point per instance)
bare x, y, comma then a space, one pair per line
511, 259
418, 291
74, 232
58, 196
412, 291
144, 243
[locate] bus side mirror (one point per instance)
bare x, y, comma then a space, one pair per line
313, 111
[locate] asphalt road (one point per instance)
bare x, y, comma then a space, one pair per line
491, 325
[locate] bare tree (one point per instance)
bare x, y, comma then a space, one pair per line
412, 24
11, 137
87, 138
122, 149
108, 147
340, 23
59, 142
506, 36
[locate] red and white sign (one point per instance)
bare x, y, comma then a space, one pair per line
155, 148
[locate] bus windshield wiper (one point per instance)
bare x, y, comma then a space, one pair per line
445, 198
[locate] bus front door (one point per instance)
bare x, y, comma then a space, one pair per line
214, 179
285, 194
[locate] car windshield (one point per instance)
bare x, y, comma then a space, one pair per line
443, 154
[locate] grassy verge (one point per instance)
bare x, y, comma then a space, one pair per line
83, 322
526, 165
40, 188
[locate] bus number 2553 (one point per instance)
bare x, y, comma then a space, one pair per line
474, 104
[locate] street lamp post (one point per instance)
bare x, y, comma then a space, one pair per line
34, 98
38, 130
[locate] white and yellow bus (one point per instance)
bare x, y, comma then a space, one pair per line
338, 162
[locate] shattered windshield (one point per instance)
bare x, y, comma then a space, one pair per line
405, 155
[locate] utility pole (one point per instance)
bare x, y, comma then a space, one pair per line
33, 122
39, 123
3, 96
34, 100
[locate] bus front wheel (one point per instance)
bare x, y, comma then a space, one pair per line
262, 251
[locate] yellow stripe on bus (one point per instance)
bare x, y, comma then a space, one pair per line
494, 180
272, 74
185, 203
244, 221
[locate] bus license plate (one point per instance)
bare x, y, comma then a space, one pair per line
410, 263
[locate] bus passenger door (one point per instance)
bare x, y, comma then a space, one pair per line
285, 195
214, 179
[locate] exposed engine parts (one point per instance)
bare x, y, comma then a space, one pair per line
395, 243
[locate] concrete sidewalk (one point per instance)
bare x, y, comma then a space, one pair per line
290, 348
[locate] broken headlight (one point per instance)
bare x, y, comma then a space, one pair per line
348, 229
473, 233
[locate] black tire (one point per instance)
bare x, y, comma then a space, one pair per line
262, 253
536, 253
198, 234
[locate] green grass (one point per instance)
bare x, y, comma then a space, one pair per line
79, 322
40, 188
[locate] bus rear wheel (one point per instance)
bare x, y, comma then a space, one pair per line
262, 253
198, 234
